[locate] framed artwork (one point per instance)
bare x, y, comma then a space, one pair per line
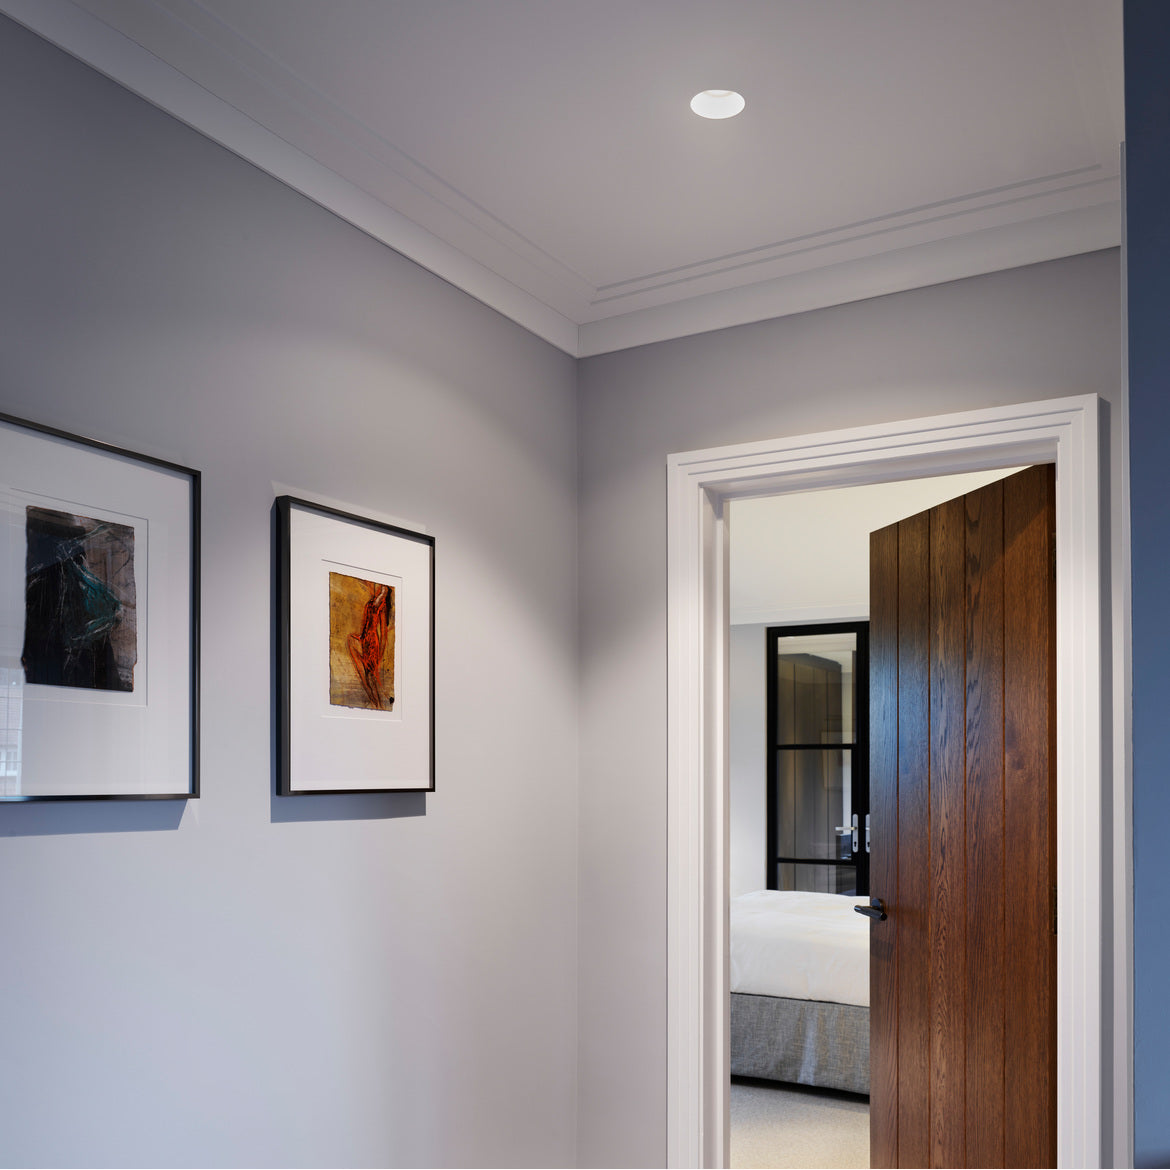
355, 653
99, 620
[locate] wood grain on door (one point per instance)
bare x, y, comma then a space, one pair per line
962, 691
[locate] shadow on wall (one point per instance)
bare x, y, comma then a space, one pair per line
51, 818
373, 806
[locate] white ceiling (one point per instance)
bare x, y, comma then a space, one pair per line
541, 153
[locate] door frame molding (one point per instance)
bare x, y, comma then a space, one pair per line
1065, 431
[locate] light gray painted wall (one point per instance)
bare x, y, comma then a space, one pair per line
1044, 331
378, 980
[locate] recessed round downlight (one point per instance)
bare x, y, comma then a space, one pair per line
717, 103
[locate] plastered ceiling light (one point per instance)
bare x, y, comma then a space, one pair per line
717, 103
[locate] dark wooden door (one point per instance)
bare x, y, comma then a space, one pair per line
962, 782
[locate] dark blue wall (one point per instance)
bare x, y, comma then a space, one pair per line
1147, 133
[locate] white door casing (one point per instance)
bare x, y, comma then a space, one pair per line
1064, 431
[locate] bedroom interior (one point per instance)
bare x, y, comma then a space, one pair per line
799, 954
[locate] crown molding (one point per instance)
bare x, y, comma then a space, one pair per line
418, 214
1084, 186
192, 39
1012, 245
124, 61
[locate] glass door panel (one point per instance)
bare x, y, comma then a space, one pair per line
813, 798
817, 781
823, 879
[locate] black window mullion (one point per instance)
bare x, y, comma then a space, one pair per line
815, 861
858, 749
860, 777
815, 747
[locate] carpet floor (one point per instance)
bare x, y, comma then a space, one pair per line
774, 1125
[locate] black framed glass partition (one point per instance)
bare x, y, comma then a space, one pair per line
818, 766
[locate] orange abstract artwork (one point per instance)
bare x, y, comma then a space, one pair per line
361, 643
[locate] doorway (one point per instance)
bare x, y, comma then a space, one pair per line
1064, 432
798, 811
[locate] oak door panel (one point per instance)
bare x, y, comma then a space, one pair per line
985, 858
1030, 826
962, 692
947, 936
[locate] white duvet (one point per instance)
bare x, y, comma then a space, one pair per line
800, 946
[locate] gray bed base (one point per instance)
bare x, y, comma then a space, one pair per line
800, 1040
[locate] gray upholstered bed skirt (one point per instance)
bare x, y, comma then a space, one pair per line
800, 1040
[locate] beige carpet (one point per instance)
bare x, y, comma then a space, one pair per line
775, 1125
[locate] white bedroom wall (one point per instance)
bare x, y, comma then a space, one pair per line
335, 980
804, 557
1030, 333
748, 758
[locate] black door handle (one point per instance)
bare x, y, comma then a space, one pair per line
874, 910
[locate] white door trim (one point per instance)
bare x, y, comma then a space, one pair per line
1064, 431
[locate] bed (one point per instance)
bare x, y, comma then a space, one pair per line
800, 989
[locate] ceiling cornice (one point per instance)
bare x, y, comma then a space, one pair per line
1013, 245
71, 28
1042, 218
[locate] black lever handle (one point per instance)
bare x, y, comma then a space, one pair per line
874, 910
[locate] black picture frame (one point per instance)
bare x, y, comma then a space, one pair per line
309, 536
43, 466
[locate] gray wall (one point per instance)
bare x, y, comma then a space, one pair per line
360, 980
393, 980
1044, 331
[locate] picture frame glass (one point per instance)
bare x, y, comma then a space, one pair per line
98, 605
357, 638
